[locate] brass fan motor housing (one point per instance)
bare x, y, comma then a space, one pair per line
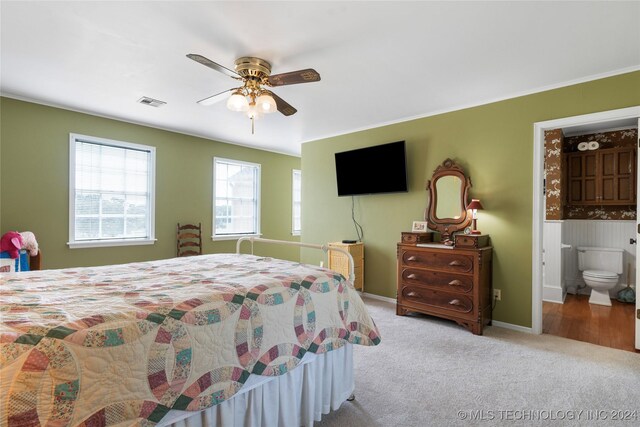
249, 66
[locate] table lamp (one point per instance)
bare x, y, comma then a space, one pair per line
475, 205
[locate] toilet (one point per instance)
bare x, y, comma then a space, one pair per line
600, 268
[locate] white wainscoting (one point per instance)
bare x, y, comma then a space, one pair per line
553, 289
599, 233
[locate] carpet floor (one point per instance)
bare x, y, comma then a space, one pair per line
432, 372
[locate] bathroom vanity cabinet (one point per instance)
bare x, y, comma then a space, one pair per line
602, 177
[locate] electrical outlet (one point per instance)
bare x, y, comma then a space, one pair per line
497, 294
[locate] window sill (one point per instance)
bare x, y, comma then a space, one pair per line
233, 236
109, 243
295, 233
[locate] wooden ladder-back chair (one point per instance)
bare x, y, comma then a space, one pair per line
189, 239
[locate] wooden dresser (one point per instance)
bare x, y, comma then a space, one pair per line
339, 262
453, 284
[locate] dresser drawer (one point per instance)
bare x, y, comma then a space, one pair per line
427, 298
413, 238
474, 241
458, 263
443, 281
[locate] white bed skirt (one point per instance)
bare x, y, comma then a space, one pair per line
298, 398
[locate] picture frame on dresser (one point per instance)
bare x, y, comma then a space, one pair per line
419, 227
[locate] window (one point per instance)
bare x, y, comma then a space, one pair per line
111, 192
296, 208
236, 195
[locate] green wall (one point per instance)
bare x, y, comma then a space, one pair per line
34, 184
493, 143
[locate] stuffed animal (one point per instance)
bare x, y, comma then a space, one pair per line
29, 243
11, 242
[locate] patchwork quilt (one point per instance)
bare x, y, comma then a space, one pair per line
125, 344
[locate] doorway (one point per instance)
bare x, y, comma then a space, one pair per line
608, 119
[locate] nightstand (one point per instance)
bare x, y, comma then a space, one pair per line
339, 262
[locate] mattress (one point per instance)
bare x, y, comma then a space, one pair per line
128, 343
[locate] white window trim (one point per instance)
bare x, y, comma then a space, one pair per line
72, 243
110, 242
293, 219
213, 204
234, 236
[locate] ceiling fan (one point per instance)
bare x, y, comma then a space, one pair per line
252, 96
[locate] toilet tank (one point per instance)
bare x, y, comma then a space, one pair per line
607, 259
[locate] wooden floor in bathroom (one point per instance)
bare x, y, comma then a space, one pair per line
578, 320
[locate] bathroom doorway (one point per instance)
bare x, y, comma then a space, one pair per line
563, 222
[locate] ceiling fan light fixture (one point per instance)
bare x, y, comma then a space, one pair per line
237, 102
266, 104
251, 98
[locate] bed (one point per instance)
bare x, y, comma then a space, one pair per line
224, 339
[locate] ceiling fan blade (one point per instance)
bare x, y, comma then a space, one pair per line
215, 98
209, 63
282, 105
294, 77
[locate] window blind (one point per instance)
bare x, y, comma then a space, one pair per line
112, 192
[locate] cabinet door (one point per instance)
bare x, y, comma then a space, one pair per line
574, 176
583, 178
627, 176
617, 176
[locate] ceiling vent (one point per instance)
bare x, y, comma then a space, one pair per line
145, 100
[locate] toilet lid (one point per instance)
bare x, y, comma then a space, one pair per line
601, 273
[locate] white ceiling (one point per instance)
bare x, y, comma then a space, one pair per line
380, 62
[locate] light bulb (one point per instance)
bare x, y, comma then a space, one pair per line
237, 102
253, 112
266, 103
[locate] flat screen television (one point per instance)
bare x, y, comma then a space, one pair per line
372, 170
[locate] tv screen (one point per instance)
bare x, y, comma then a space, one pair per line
372, 170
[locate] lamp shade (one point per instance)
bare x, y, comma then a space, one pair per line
237, 102
475, 204
265, 103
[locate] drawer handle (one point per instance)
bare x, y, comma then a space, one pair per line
413, 294
411, 276
455, 282
412, 258
455, 302
455, 263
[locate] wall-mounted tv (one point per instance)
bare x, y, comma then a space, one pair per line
372, 170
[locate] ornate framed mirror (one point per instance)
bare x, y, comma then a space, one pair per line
446, 207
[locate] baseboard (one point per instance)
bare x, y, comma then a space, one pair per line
511, 326
552, 294
379, 298
493, 322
